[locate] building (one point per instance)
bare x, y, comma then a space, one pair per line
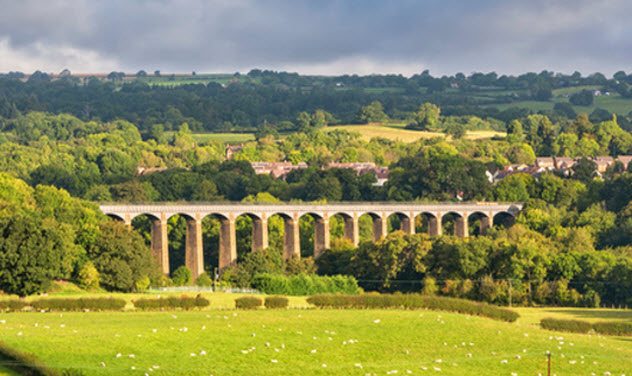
231, 150
277, 170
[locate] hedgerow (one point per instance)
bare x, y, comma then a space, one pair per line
248, 302
172, 302
12, 305
413, 301
80, 304
575, 326
303, 284
276, 302
612, 328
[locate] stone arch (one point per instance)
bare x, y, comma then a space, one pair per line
344, 225
184, 238
251, 232
219, 245
503, 218
478, 223
313, 233
428, 222
453, 222
399, 220
115, 217
371, 226
291, 234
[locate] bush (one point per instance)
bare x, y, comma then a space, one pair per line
88, 276
429, 286
12, 305
248, 302
574, 326
204, 280
172, 302
276, 302
413, 301
181, 276
80, 304
613, 328
304, 284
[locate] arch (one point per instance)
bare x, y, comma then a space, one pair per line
115, 217
313, 233
400, 221
427, 222
343, 225
504, 219
287, 236
453, 222
478, 223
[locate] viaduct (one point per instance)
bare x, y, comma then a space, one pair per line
227, 213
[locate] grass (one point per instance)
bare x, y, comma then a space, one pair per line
397, 132
229, 138
223, 339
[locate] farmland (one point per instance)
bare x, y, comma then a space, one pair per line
224, 341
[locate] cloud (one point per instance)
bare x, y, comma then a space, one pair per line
323, 37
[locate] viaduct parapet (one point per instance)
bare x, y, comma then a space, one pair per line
463, 214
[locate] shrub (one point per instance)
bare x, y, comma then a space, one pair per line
172, 302
430, 286
142, 284
613, 328
276, 302
12, 305
413, 301
248, 302
575, 326
181, 276
80, 304
204, 280
88, 276
304, 284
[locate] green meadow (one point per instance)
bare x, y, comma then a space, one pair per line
223, 341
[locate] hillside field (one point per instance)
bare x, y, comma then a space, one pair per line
224, 341
393, 131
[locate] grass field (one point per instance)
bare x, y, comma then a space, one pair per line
223, 341
398, 132
229, 138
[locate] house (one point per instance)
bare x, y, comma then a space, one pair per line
143, 171
603, 163
361, 168
277, 170
231, 150
625, 160
547, 163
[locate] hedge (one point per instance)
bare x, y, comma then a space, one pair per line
575, 326
80, 304
413, 301
248, 302
303, 284
172, 302
276, 302
612, 328
12, 305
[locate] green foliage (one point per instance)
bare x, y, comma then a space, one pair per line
23, 363
204, 280
248, 302
121, 257
613, 328
372, 113
79, 304
574, 326
181, 276
429, 286
275, 302
171, 302
88, 276
412, 301
303, 284
427, 116
11, 305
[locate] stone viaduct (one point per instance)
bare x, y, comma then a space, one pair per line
227, 213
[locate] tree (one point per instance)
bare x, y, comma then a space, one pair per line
582, 98
372, 113
32, 253
121, 257
141, 73
455, 130
181, 276
584, 170
427, 116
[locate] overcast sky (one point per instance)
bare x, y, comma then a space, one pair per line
317, 36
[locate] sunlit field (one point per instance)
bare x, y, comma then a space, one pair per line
223, 341
398, 132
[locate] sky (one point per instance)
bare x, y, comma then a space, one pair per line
316, 36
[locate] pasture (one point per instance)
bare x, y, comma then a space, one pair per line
223, 341
397, 132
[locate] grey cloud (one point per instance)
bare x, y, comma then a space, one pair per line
445, 36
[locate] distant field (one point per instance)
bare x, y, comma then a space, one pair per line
224, 341
167, 80
613, 103
229, 138
397, 132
